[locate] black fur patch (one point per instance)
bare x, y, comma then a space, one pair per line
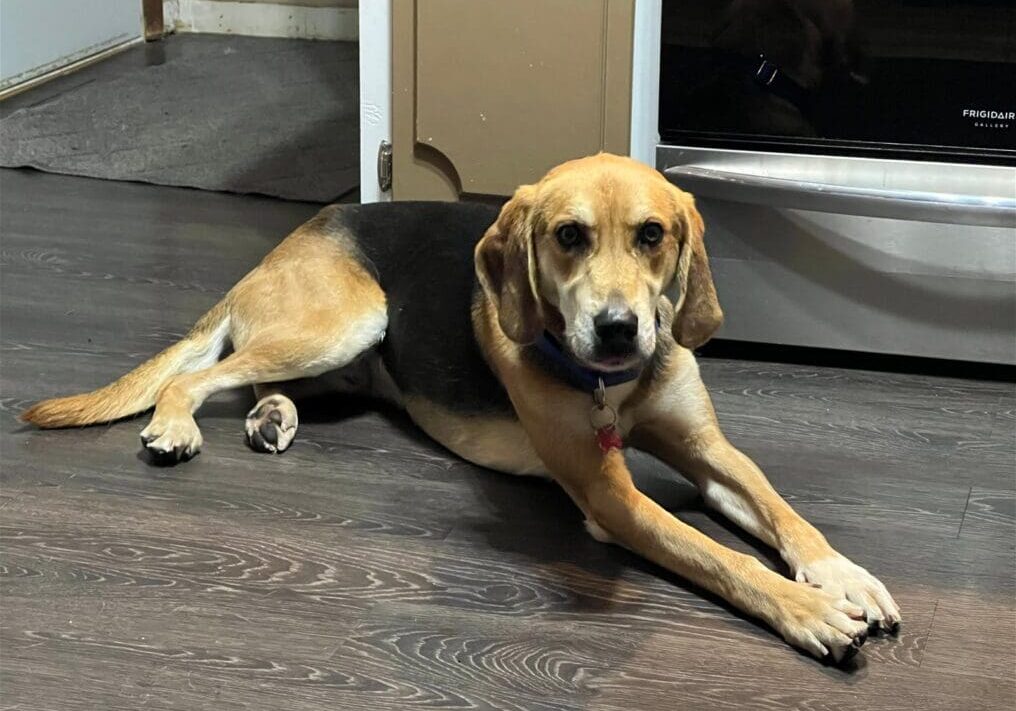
422, 255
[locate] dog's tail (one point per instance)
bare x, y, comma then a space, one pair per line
136, 391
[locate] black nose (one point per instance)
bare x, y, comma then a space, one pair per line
616, 331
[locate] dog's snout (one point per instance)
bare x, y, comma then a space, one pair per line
616, 331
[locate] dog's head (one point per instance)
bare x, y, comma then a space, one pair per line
587, 253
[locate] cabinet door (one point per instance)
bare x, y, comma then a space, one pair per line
489, 94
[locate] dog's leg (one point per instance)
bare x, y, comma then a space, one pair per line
173, 434
678, 426
556, 421
308, 308
734, 485
318, 348
271, 424
814, 619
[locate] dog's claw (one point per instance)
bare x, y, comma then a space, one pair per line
848, 653
173, 456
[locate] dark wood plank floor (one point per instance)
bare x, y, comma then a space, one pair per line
368, 569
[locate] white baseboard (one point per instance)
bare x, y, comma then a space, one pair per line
262, 19
30, 80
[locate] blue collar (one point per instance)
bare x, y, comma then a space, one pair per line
581, 377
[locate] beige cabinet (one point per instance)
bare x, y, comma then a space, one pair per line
489, 94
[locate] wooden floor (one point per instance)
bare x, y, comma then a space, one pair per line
368, 569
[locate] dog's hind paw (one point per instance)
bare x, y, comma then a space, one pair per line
173, 440
271, 425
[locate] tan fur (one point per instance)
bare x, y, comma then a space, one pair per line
506, 268
669, 413
135, 392
497, 443
309, 307
536, 285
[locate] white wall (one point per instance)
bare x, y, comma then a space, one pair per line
37, 36
310, 19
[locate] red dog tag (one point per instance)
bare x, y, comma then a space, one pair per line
608, 439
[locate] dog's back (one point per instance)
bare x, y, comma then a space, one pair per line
422, 256
419, 253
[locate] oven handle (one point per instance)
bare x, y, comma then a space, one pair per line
951, 208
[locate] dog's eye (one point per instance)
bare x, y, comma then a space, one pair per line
569, 235
650, 233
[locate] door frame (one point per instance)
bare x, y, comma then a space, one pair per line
375, 93
645, 81
376, 87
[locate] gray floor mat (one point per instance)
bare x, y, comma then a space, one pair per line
238, 114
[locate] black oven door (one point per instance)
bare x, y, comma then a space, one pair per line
918, 79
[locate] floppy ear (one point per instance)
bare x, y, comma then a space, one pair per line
697, 312
506, 268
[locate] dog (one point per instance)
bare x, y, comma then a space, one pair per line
563, 337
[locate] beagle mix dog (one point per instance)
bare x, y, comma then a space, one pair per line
563, 337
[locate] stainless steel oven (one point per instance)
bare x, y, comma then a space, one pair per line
854, 161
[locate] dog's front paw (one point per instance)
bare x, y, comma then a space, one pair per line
841, 577
824, 624
271, 425
172, 440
